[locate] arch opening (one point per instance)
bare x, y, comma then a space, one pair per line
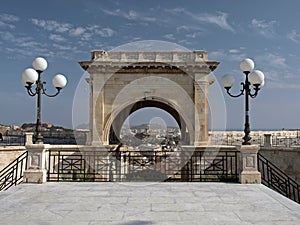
148, 122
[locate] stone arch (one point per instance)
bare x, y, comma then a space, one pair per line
112, 71
115, 122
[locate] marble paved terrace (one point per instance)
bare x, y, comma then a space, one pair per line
145, 204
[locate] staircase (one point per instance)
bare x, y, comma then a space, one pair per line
12, 174
276, 179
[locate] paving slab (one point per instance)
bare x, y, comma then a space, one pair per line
146, 204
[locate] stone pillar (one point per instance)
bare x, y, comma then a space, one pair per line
268, 141
37, 164
28, 138
249, 170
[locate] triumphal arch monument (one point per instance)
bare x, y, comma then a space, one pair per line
122, 82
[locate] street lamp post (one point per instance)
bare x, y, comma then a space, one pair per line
254, 79
33, 76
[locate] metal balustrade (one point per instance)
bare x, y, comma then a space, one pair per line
12, 174
277, 180
68, 165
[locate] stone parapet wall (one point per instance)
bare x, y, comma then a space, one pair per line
278, 133
279, 138
286, 159
9, 153
127, 56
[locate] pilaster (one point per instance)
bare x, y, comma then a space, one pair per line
201, 108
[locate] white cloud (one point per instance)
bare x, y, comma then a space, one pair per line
77, 31
3, 25
19, 41
56, 37
282, 85
52, 25
193, 35
29, 44
191, 31
130, 15
169, 36
264, 28
8, 20
62, 31
86, 36
62, 47
278, 73
185, 42
72, 30
219, 19
6, 36
32, 49
105, 32
293, 36
272, 75
235, 55
234, 51
183, 28
97, 30
273, 61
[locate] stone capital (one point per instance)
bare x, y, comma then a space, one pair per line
37, 147
249, 149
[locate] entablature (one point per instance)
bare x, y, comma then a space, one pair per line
154, 62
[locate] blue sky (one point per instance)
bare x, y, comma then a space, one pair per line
65, 32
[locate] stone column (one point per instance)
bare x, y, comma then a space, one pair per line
268, 141
249, 173
37, 164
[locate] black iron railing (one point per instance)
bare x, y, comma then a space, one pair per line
93, 166
12, 174
277, 180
